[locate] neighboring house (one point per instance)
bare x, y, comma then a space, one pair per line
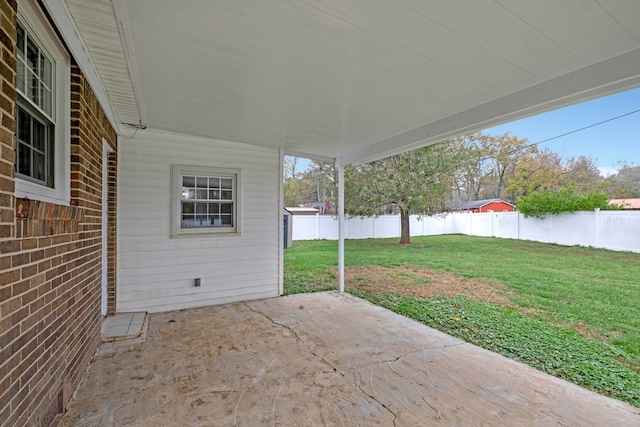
627, 204
142, 142
303, 211
487, 205
326, 208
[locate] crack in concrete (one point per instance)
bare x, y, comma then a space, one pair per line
395, 359
298, 338
351, 370
375, 398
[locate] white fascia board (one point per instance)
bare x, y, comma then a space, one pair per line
601, 79
62, 19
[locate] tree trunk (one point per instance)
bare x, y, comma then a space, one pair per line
405, 238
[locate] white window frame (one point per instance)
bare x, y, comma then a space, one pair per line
33, 20
177, 174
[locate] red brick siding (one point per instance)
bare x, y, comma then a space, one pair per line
7, 117
50, 258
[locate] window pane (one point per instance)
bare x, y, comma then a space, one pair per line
188, 193
201, 208
38, 166
38, 140
214, 208
202, 182
46, 100
41, 70
20, 41
20, 76
188, 181
214, 182
24, 159
226, 183
47, 74
32, 89
188, 208
227, 195
24, 126
201, 194
188, 221
226, 208
214, 194
32, 55
226, 220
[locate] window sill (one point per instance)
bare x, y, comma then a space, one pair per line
28, 190
201, 233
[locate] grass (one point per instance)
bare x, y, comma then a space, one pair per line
574, 312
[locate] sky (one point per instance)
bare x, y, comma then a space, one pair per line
608, 144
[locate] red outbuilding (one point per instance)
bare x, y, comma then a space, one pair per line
487, 205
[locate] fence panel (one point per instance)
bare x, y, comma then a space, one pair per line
327, 227
304, 227
617, 230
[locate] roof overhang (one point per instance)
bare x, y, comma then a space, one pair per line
356, 81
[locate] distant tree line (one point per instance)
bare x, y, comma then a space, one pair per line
444, 176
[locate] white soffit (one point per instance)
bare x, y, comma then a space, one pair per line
103, 36
357, 79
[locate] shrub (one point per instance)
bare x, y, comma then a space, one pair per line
541, 203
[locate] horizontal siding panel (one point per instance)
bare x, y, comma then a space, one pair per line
191, 301
162, 261
181, 265
210, 286
191, 155
145, 215
156, 271
197, 245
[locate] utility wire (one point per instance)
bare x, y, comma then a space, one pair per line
578, 130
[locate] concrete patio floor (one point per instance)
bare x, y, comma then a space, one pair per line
321, 359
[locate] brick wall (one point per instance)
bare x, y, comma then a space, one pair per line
7, 122
50, 257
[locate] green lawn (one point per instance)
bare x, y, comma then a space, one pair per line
573, 312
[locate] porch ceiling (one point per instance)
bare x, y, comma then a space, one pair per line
353, 79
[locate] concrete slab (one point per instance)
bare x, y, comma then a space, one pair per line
321, 359
123, 326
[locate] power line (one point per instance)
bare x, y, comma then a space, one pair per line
582, 128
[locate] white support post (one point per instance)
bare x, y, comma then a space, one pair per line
341, 225
280, 223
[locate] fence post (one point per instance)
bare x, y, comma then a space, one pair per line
596, 228
492, 215
374, 227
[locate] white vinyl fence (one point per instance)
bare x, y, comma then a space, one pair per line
616, 230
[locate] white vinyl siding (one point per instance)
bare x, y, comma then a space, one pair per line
156, 271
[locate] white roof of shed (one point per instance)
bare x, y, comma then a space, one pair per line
348, 79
